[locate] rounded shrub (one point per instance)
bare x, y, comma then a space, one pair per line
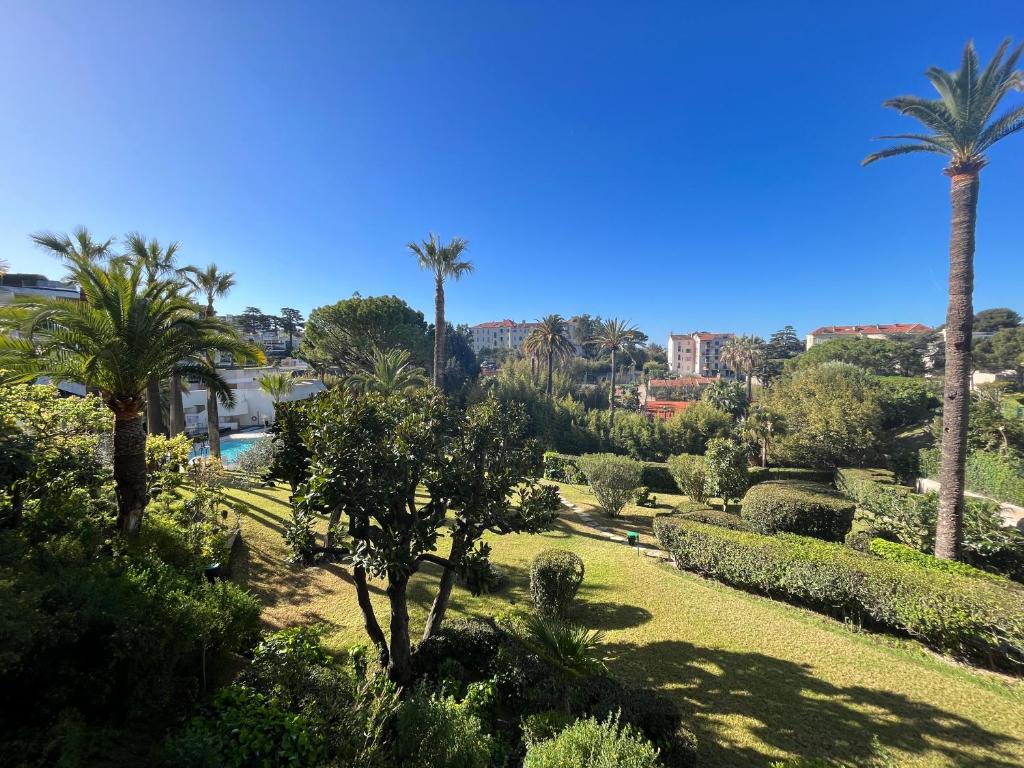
688, 472
808, 509
614, 479
555, 578
473, 643
590, 744
436, 730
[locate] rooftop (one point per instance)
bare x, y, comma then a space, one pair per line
879, 328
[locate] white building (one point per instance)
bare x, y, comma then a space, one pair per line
35, 285
253, 406
697, 354
508, 334
876, 331
272, 340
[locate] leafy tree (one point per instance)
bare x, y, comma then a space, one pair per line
445, 262
76, 247
613, 479
292, 322
905, 401
727, 396
616, 337
744, 354
996, 319
253, 321
550, 340
368, 456
690, 431
882, 357
1004, 351
461, 365
725, 467
656, 354
587, 327
832, 414
390, 373
125, 331
343, 336
960, 128
690, 475
782, 345
213, 284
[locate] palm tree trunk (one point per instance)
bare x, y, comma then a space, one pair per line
177, 406
611, 394
551, 360
439, 333
129, 463
213, 424
956, 388
154, 415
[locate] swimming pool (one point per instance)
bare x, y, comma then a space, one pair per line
231, 446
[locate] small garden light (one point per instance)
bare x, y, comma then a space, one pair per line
633, 539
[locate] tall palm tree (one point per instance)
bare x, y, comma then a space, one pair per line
444, 260
389, 372
157, 262
550, 338
615, 337
960, 127
213, 284
78, 245
278, 386
744, 354
125, 331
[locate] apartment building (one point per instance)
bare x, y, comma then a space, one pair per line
698, 354
876, 331
18, 284
272, 339
508, 334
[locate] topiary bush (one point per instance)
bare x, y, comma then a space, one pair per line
555, 578
787, 506
969, 617
474, 643
716, 517
657, 477
614, 479
689, 475
590, 744
892, 550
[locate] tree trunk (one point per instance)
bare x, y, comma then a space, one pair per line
957, 385
551, 361
444, 589
764, 453
154, 415
400, 662
213, 424
750, 388
373, 629
439, 329
611, 395
177, 406
129, 463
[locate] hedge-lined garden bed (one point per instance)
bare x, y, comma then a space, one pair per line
969, 617
791, 506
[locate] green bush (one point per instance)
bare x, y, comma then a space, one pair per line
725, 467
562, 468
435, 730
542, 726
555, 578
657, 477
590, 744
790, 506
968, 617
644, 498
892, 550
996, 475
716, 517
244, 729
613, 479
689, 475
474, 643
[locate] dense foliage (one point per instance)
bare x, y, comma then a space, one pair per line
790, 506
590, 744
613, 479
966, 616
555, 578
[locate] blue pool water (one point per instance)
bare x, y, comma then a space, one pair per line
230, 447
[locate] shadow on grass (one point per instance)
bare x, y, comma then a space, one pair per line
787, 707
605, 615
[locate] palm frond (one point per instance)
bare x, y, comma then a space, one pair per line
902, 149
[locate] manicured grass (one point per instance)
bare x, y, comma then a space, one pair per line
757, 680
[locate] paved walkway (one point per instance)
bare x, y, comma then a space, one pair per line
589, 520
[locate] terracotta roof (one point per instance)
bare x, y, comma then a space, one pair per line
505, 324
880, 328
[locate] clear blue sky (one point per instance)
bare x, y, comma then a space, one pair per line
681, 165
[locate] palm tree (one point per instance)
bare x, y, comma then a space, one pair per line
744, 354
127, 330
959, 127
550, 338
278, 386
156, 262
389, 372
615, 336
571, 651
762, 425
78, 245
213, 284
444, 261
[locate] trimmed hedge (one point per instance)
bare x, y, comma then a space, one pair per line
893, 550
555, 578
791, 506
565, 468
714, 517
764, 474
968, 617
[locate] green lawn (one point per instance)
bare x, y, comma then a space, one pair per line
756, 679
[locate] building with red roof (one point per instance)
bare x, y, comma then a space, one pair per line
876, 331
698, 353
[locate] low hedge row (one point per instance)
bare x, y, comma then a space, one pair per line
564, 468
893, 550
968, 617
793, 506
764, 474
